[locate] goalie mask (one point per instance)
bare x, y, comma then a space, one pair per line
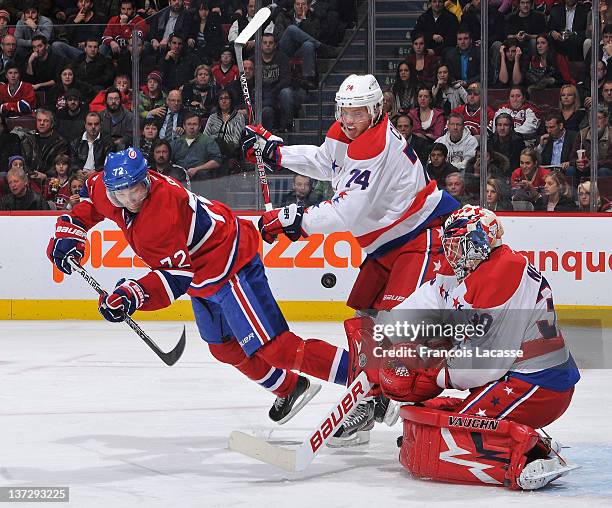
470, 234
126, 179
360, 91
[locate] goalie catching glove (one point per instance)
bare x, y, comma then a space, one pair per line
287, 220
256, 136
68, 242
127, 297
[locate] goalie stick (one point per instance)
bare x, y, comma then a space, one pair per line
261, 16
299, 459
169, 358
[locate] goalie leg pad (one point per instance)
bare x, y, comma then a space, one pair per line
459, 448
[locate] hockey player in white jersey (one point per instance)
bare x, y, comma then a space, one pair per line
517, 367
382, 195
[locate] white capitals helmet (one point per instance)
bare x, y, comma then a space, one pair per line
357, 91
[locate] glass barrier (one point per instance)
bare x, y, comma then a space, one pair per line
166, 82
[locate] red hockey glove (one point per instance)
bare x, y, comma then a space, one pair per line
123, 301
286, 220
268, 143
69, 241
399, 383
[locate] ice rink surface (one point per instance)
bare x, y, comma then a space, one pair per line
87, 405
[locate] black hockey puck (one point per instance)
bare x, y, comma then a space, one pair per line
328, 280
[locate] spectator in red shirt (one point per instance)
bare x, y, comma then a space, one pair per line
57, 190
428, 123
529, 175
226, 70
16, 97
119, 29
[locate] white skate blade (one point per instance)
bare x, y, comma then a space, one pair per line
359, 438
541, 472
313, 389
392, 413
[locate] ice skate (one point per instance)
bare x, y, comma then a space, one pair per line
541, 472
285, 408
386, 411
356, 429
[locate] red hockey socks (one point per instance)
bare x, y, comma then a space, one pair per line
313, 357
279, 381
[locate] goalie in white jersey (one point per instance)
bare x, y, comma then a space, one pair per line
382, 195
517, 367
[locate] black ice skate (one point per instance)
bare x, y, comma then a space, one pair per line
385, 410
355, 429
285, 408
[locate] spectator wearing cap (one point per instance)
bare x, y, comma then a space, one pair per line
88, 152
21, 197
31, 24
70, 118
174, 20
16, 97
92, 67
79, 28
226, 70
153, 99
178, 64
43, 65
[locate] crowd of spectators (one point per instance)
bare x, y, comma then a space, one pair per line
537, 152
66, 91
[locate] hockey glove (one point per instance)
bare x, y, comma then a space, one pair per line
286, 220
408, 385
123, 301
268, 143
69, 241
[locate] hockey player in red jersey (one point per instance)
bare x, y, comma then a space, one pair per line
199, 247
518, 369
383, 196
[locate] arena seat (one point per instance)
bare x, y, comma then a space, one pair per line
26, 121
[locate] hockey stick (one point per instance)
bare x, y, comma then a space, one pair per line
169, 358
300, 458
261, 16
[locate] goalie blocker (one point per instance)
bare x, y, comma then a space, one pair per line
459, 448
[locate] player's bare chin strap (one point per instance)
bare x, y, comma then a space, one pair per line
255, 368
312, 356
